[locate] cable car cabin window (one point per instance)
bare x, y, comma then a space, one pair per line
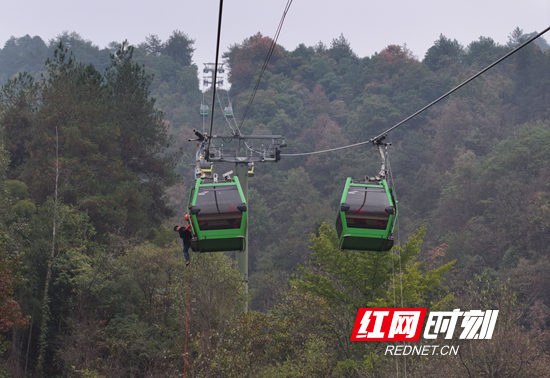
367, 208
218, 206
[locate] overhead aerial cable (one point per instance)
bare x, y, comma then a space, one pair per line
462, 84
271, 153
216, 66
266, 61
373, 140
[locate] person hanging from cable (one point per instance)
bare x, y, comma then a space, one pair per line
186, 235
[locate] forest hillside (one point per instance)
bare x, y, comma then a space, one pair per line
96, 169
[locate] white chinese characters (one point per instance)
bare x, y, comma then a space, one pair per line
476, 324
404, 323
389, 325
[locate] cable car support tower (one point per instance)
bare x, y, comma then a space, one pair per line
244, 157
211, 149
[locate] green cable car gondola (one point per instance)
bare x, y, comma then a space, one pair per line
203, 110
218, 216
367, 214
228, 111
366, 218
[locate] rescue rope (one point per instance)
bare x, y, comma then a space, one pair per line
186, 322
398, 243
391, 183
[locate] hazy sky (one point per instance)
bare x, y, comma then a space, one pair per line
368, 25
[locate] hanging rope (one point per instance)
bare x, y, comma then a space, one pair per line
186, 322
392, 185
390, 177
394, 306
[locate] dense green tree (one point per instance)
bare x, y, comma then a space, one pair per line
375, 114
340, 49
245, 60
112, 141
307, 332
530, 76
134, 307
23, 54
443, 54
82, 49
347, 280
180, 48
19, 102
143, 135
152, 46
14, 210
483, 52
516, 38
512, 352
